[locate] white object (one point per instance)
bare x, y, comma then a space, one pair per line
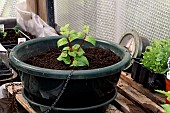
21, 40
32, 23
2, 27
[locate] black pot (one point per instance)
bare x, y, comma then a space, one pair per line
96, 108
156, 81
6, 74
85, 88
136, 66
143, 76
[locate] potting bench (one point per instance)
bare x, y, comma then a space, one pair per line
131, 98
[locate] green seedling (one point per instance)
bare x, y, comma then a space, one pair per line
73, 55
3, 34
16, 29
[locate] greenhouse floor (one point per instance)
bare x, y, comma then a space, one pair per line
131, 98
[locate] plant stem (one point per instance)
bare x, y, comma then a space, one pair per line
82, 41
69, 43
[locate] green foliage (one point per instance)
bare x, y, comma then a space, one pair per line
3, 34
165, 106
16, 29
74, 54
156, 56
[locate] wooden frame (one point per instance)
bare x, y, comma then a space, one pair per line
43, 8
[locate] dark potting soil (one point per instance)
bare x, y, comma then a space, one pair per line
97, 58
12, 37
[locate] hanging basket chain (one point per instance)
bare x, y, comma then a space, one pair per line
60, 93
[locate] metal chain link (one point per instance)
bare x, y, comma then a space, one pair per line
60, 93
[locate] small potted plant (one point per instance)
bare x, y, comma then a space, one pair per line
155, 60
9, 37
75, 76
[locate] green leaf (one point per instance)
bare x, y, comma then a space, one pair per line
80, 52
86, 29
65, 28
60, 58
62, 42
65, 59
75, 47
65, 33
5, 34
73, 54
80, 35
66, 48
16, 29
80, 61
73, 37
166, 107
64, 54
91, 40
72, 32
159, 57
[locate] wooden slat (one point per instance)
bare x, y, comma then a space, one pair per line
38, 7
138, 98
156, 97
32, 6
21, 99
126, 105
112, 109
42, 10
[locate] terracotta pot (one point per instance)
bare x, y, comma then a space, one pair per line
167, 88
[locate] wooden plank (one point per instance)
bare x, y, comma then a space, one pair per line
38, 7
42, 10
112, 109
32, 6
156, 97
138, 98
21, 99
126, 105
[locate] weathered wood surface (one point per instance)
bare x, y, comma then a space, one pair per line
131, 98
138, 98
21, 99
156, 97
32, 5
38, 7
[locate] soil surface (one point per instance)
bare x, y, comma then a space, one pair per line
97, 58
12, 37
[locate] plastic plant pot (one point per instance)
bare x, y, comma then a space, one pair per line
156, 81
5, 73
85, 88
136, 66
91, 109
143, 76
